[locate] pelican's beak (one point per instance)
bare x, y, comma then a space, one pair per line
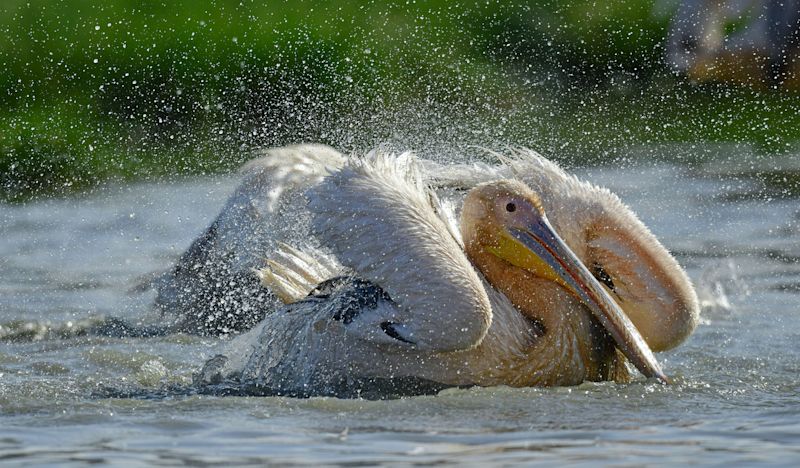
552, 258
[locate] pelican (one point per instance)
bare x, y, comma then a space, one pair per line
761, 50
546, 280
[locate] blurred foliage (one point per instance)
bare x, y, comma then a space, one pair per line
122, 89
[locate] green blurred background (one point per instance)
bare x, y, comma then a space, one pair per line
116, 90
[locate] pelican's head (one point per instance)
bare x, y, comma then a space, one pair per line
617, 248
506, 220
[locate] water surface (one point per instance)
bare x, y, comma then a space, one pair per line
66, 262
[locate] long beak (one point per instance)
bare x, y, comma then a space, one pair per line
541, 239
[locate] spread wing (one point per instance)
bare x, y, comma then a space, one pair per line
378, 217
212, 288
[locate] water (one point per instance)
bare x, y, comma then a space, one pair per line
65, 262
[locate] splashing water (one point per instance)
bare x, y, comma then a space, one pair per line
718, 283
735, 384
93, 96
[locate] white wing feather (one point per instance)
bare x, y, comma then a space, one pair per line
292, 273
376, 214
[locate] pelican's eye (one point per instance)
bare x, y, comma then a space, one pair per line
511, 207
602, 276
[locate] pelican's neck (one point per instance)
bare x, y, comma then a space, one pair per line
565, 345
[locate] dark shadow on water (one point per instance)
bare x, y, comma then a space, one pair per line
366, 389
113, 327
25, 331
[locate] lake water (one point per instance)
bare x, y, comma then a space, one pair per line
65, 262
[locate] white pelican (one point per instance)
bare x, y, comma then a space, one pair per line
762, 50
559, 297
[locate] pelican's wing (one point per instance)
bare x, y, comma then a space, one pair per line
268, 178
292, 273
212, 286
269, 206
376, 215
